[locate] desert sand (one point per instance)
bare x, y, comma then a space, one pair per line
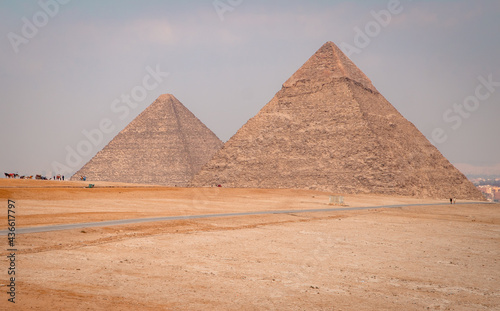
432, 257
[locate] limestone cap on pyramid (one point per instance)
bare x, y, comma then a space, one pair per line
329, 63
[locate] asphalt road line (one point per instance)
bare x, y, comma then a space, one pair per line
169, 218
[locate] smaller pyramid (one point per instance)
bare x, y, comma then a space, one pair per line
166, 145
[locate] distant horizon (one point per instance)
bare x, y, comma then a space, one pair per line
474, 176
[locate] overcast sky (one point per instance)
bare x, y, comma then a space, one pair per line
67, 67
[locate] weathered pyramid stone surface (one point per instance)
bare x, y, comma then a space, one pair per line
166, 144
329, 129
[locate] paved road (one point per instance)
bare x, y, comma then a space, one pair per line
141, 220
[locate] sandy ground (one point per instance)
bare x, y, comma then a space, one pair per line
409, 258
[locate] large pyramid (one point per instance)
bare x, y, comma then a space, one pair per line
166, 144
329, 129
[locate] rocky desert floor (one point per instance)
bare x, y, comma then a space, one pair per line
429, 257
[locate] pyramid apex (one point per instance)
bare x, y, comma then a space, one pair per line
328, 63
166, 96
329, 43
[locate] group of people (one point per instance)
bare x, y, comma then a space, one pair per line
59, 177
15, 175
453, 200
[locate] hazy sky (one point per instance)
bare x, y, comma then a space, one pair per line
67, 67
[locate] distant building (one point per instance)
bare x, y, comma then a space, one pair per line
496, 196
491, 193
